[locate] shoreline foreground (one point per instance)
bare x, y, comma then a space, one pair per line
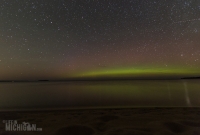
127, 121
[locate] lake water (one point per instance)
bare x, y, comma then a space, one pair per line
98, 94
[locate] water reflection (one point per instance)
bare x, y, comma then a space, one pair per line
169, 91
100, 94
186, 94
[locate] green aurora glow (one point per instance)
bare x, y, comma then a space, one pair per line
140, 72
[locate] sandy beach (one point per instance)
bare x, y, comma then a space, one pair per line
130, 121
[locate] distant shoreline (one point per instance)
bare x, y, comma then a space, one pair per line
191, 78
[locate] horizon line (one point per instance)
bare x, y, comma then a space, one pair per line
99, 79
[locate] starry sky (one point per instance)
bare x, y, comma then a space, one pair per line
64, 39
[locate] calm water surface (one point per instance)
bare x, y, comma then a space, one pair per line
78, 94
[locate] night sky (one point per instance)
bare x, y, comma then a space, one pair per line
62, 39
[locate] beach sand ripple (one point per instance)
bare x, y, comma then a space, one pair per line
75, 130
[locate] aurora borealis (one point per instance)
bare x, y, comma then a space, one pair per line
62, 39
